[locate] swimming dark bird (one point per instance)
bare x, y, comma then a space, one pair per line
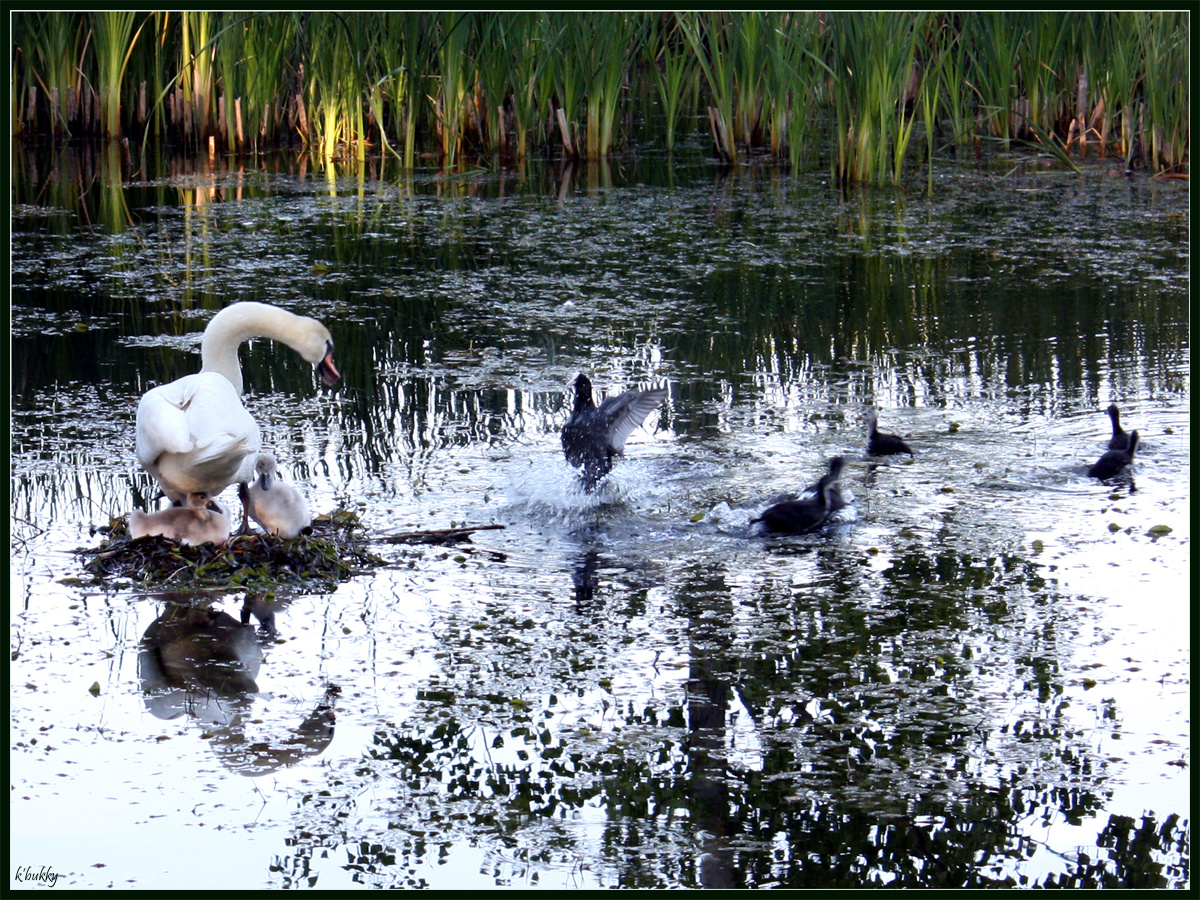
593, 436
835, 499
1120, 437
878, 443
803, 516
1112, 462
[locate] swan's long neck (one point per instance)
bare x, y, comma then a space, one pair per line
237, 323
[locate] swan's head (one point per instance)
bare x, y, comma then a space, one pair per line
239, 322
200, 500
306, 336
316, 346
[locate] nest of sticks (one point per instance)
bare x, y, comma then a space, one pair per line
336, 549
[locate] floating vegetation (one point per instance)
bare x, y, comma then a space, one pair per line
335, 551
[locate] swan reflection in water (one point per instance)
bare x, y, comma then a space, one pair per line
201, 662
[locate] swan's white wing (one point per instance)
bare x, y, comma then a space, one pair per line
162, 422
194, 434
217, 420
191, 413
625, 413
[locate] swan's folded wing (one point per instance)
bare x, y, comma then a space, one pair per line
218, 421
162, 421
197, 414
625, 413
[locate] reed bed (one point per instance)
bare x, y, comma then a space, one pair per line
850, 89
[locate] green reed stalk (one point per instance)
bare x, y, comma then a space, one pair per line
196, 73
494, 53
997, 50
853, 48
53, 58
1042, 69
318, 87
673, 64
326, 69
533, 72
562, 38
1119, 79
943, 90
780, 57
269, 44
1116, 78
1163, 39
336, 83
376, 68
795, 53
405, 45
114, 40
1084, 44
154, 70
183, 54
228, 51
955, 96
747, 47
605, 46
17, 103
450, 104
873, 63
810, 92
709, 39
929, 92
899, 82
360, 36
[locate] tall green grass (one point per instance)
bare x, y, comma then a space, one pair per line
862, 88
793, 78
710, 41
673, 66
608, 44
114, 41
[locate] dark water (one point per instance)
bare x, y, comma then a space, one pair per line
982, 681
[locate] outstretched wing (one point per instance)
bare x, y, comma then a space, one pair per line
621, 415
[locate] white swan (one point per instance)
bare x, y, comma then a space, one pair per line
278, 507
202, 521
194, 435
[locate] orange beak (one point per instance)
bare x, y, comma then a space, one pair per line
329, 373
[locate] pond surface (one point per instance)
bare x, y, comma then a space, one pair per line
984, 680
